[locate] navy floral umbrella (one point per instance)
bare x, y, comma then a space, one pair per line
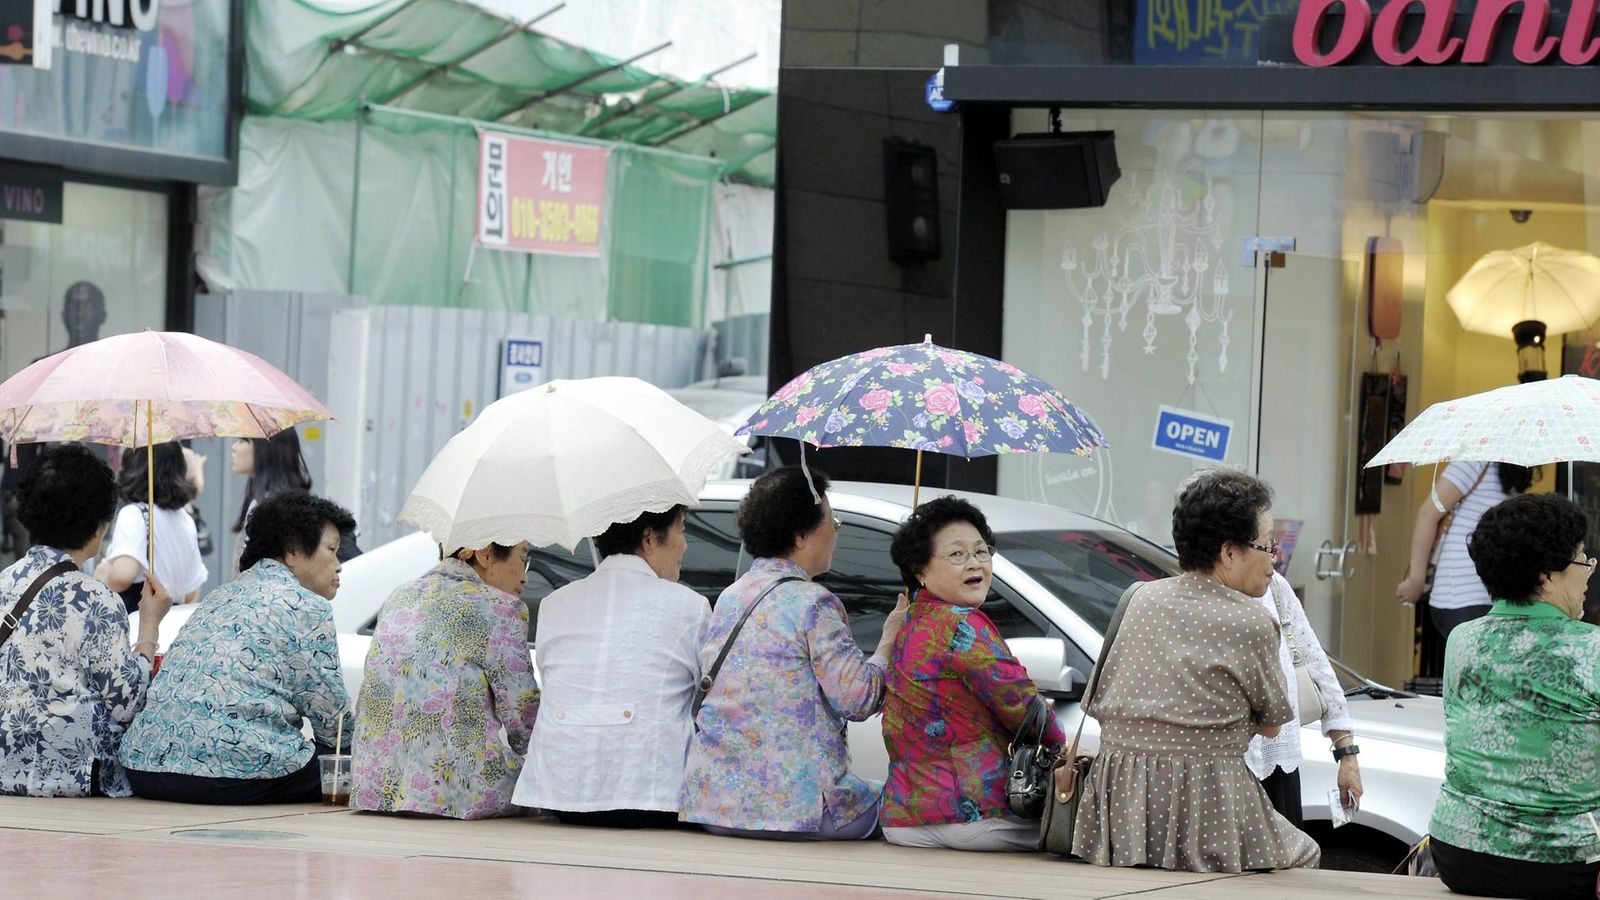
925, 397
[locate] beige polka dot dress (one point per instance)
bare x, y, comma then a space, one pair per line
1190, 674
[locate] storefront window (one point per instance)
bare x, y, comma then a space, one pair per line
101, 271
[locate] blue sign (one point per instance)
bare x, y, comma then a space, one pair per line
1192, 434
935, 94
521, 365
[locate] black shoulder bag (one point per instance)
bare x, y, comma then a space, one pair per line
710, 677
10, 621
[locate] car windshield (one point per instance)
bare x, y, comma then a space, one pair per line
1087, 569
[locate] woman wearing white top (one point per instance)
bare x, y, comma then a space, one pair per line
618, 660
125, 563
1276, 760
1468, 489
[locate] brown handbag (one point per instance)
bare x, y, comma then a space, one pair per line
1072, 769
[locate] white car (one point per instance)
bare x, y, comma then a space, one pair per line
1057, 578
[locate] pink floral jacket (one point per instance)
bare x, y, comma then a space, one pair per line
771, 752
448, 668
956, 697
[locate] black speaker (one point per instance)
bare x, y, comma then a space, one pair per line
911, 200
1068, 170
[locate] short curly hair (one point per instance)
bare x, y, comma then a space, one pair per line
628, 537
1522, 538
1216, 507
67, 494
778, 509
912, 547
290, 522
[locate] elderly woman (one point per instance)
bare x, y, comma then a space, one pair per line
1276, 760
447, 672
222, 724
618, 651
769, 757
1191, 675
69, 682
956, 695
1516, 814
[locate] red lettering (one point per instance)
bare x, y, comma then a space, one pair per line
1576, 47
1531, 45
1308, 28
1434, 45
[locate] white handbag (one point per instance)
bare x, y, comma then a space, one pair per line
1311, 705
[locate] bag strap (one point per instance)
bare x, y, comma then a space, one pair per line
10, 621
1038, 708
710, 677
1094, 677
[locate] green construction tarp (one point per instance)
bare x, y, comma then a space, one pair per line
321, 61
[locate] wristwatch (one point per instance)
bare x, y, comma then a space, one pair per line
1347, 750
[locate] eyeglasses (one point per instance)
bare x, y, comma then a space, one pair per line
1271, 549
958, 558
1587, 562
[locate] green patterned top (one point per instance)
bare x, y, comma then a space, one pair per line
1522, 750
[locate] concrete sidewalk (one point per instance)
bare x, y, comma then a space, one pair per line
141, 848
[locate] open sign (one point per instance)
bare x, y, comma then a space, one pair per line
1193, 434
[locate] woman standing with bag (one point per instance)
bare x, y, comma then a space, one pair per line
1465, 491
1276, 761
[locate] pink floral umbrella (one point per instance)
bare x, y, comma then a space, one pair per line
149, 388
926, 397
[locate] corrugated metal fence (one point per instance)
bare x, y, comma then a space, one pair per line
402, 380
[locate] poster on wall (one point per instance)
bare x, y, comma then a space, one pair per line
538, 196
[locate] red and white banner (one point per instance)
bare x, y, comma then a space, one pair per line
540, 196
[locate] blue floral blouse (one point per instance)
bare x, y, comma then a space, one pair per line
258, 655
771, 754
69, 683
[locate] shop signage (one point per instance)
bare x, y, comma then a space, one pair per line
25, 33
1443, 37
1193, 434
32, 196
521, 364
540, 196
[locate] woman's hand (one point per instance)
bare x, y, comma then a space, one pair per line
1410, 590
154, 603
892, 624
1350, 781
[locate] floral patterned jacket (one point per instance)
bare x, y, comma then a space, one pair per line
771, 753
69, 683
448, 668
956, 697
257, 656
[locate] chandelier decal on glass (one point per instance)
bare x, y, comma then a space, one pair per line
1165, 255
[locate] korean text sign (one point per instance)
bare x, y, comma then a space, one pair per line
540, 196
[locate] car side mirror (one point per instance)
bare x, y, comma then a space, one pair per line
1046, 662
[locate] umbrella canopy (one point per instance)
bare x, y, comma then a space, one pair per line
1524, 424
1560, 288
564, 461
150, 387
926, 397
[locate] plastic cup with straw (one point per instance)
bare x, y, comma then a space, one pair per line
334, 770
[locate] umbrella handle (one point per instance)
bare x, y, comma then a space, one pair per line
150, 484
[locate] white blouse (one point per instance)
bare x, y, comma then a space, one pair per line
179, 566
1283, 752
617, 656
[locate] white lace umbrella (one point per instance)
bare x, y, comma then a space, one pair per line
563, 461
1560, 288
1525, 424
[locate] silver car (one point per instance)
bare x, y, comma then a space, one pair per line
1057, 578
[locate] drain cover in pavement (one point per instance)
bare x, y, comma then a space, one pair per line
237, 834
